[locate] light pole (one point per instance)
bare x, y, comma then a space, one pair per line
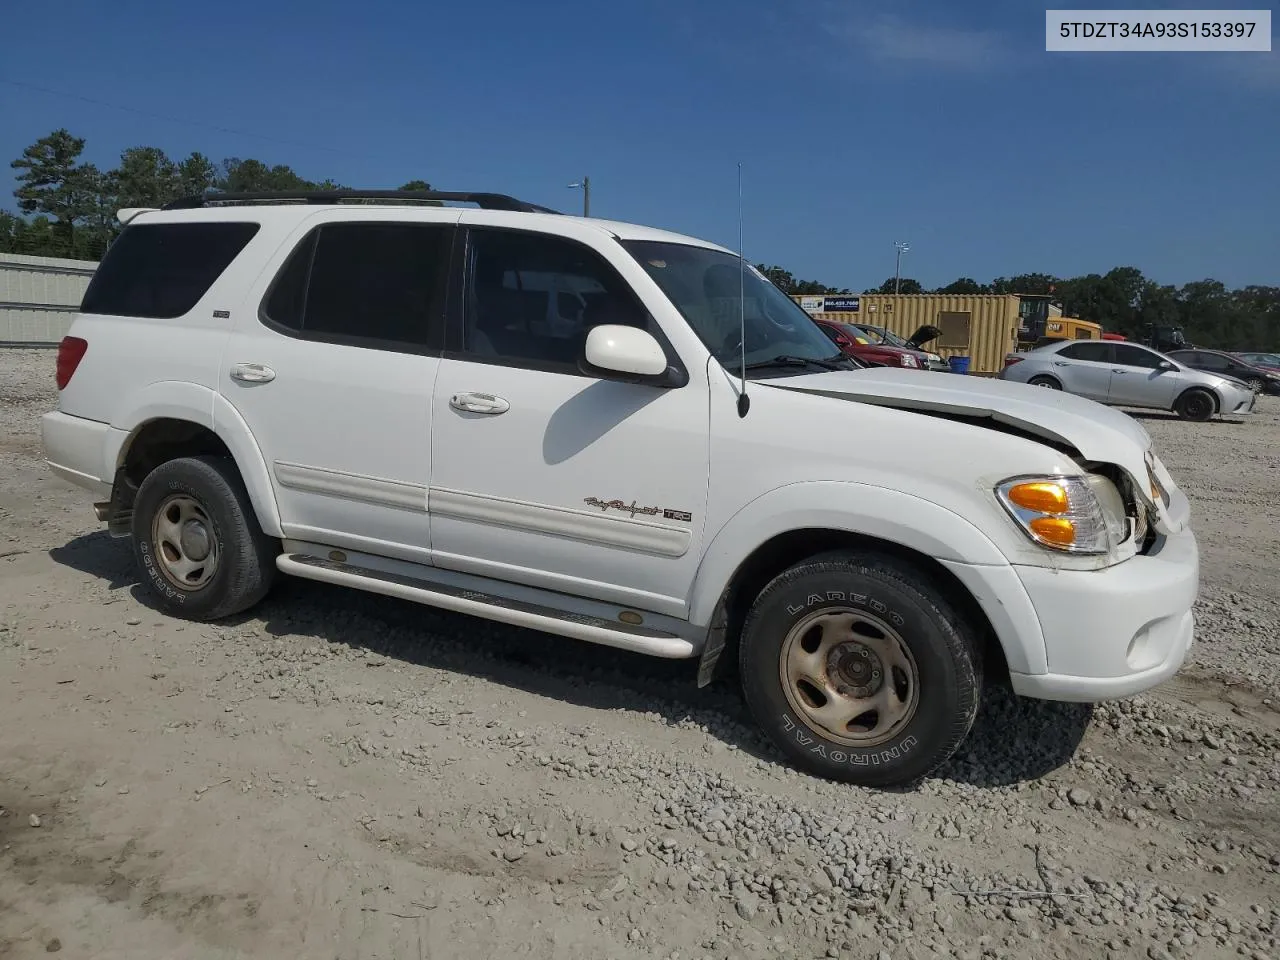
903, 247
585, 184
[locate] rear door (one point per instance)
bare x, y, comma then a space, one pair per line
331, 366
1085, 369
1138, 381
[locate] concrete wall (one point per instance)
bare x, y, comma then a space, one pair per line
39, 296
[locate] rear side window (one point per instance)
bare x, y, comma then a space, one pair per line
1097, 352
162, 270
366, 284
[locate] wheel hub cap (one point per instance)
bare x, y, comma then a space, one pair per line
857, 672
195, 540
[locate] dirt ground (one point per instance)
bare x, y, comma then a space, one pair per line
346, 776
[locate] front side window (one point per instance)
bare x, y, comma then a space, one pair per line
707, 286
367, 284
533, 297
161, 270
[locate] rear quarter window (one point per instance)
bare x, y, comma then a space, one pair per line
162, 270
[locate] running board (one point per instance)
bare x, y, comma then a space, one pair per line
515, 612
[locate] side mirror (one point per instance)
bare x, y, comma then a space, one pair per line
618, 352
1167, 365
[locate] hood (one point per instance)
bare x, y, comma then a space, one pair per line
1097, 432
926, 334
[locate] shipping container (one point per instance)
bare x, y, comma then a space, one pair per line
39, 296
982, 327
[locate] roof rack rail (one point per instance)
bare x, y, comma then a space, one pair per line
486, 201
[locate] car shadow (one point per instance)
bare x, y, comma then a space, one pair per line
1013, 740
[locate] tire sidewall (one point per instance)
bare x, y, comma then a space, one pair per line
1188, 402
945, 673
1044, 383
171, 478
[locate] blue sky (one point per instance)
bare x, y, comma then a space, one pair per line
858, 124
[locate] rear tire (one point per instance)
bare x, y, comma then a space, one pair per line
860, 670
1195, 404
1047, 382
197, 540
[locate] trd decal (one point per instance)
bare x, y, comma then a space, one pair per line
631, 509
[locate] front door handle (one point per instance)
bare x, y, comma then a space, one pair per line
252, 373
479, 403
1114, 370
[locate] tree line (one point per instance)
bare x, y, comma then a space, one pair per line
70, 206
67, 208
1122, 300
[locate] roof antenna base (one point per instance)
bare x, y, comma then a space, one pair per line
744, 404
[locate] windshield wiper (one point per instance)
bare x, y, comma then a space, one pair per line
837, 362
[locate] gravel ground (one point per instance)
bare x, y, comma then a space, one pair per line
341, 775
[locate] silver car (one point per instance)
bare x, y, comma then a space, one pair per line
1129, 375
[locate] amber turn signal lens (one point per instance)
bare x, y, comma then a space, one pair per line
1056, 530
1041, 496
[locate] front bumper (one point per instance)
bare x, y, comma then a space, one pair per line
1115, 632
1238, 403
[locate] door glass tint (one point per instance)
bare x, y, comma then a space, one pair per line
162, 270
1212, 361
533, 297
1096, 352
371, 284
1131, 356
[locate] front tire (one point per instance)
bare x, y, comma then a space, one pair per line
1195, 404
197, 541
860, 670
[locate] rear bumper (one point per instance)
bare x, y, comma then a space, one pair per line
1116, 632
79, 451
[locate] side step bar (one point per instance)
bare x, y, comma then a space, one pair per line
515, 612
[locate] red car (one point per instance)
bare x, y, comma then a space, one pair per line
878, 351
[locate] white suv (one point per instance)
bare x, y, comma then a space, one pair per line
370, 394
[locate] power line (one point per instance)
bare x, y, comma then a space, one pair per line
171, 119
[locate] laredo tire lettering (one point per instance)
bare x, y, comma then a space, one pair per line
839, 596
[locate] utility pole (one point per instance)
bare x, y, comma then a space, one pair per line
585, 184
903, 247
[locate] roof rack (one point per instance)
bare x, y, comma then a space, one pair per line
486, 201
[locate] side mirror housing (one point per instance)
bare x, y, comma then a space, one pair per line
618, 352
1167, 365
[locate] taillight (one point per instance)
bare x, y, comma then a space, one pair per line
1010, 361
70, 353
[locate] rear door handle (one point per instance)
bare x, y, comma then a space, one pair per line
479, 403
1061, 363
252, 373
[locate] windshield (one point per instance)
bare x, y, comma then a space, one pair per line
704, 286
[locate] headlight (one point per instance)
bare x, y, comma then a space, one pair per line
1072, 514
935, 358
908, 360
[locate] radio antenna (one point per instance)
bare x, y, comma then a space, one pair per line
744, 402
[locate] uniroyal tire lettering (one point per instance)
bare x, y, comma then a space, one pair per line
873, 759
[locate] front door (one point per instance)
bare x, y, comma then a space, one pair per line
331, 366
1085, 369
1138, 381
542, 475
